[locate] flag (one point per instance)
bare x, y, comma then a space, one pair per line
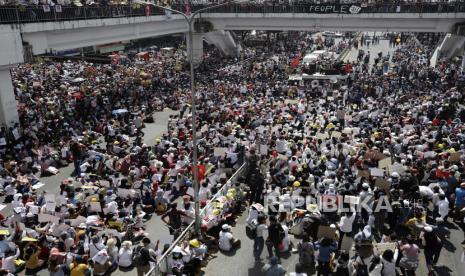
295, 62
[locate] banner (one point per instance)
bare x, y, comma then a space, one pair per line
336, 8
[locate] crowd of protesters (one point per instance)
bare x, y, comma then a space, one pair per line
374, 136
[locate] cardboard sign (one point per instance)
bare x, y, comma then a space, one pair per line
322, 136
374, 154
326, 232
48, 218
336, 134
382, 184
363, 173
62, 228
220, 152
381, 247
377, 172
454, 157
384, 163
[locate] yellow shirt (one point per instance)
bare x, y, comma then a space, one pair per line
33, 261
78, 269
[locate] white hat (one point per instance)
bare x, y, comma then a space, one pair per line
226, 227
428, 228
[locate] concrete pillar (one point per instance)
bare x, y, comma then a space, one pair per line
8, 104
198, 47
11, 54
463, 61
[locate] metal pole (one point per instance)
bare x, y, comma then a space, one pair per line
190, 20
195, 181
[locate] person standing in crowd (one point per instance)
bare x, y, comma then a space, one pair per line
275, 237
175, 219
432, 247
345, 227
325, 248
409, 261
459, 202
261, 233
143, 255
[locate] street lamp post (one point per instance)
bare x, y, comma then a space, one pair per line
190, 22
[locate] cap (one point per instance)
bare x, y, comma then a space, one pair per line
225, 227
296, 184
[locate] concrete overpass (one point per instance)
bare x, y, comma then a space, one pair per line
54, 31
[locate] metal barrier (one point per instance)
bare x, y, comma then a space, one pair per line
161, 267
45, 13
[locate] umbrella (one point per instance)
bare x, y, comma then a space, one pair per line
119, 111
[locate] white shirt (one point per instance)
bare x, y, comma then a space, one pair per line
8, 263
262, 231
345, 224
125, 257
225, 241
443, 207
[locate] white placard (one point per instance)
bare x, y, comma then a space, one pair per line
80, 219
190, 191
123, 192
377, 172
48, 218
220, 152
397, 168
263, 149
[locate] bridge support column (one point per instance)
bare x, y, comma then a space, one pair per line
198, 47
8, 104
10, 55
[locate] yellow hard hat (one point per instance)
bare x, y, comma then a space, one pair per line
296, 184
194, 243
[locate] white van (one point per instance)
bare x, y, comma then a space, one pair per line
314, 56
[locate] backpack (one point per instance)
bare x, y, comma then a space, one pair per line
363, 269
251, 229
139, 258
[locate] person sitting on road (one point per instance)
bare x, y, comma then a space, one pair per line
227, 242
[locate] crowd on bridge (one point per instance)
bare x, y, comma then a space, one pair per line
375, 136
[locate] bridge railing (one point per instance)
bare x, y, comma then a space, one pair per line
45, 13
162, 266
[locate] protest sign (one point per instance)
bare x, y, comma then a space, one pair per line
220, 152
377, 172
382, 184
326, 232
384, 163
